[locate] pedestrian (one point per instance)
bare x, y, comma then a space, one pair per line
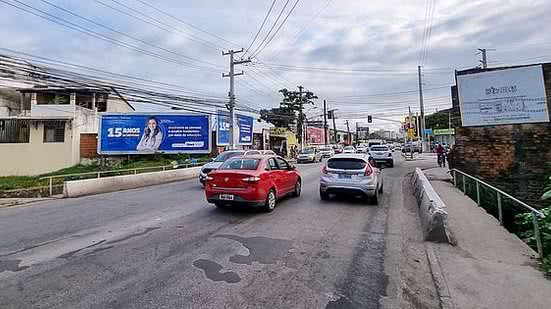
440, 152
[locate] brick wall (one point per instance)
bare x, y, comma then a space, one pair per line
515, 158
88, 145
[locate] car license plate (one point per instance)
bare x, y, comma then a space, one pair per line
226, 197
345, 176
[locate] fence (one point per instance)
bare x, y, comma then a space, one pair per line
500, 195
56, 180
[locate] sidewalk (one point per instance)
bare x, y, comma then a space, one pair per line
9, 202
489, 267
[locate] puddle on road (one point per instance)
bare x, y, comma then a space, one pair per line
212, 271
263, 250
11, 265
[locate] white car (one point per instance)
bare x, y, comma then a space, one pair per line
382, 154
361, 149
327, 151
349, 149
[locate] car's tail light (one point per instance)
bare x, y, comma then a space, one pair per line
368, 171
210, 178
324, 169
251, 179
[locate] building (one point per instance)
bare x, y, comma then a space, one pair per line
505, 144
43, 129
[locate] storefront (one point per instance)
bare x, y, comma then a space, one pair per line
282, 141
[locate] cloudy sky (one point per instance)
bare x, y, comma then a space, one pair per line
361, 56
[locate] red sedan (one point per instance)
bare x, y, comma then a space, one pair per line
252, 180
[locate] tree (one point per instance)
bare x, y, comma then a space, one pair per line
439, 120
290, 111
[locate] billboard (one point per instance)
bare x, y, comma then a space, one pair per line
243, 127
315, 135
509, 96
143, 133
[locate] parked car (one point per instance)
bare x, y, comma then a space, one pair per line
351, 174
361, 149
252, 180
310, 154
337, 148
382, 154
326, 151
221, 158
268, 152
349, 149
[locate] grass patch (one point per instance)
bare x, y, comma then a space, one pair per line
22, 182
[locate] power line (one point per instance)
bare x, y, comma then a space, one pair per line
178, 32
394, 93
303, 28
271, 28
277, 31
100, 36
261, 25
49, 61
185, 22
127, 35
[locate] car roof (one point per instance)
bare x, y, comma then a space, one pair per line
362, 156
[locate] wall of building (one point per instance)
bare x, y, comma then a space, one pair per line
88, 145
36, 157
515, 158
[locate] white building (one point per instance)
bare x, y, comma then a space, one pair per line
41, 128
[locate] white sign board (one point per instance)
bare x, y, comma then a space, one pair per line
503, 97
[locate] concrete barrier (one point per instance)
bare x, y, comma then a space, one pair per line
110, 184
432, 210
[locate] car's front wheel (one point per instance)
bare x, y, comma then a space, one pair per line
298, 188
270, 201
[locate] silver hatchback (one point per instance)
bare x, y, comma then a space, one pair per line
351, 174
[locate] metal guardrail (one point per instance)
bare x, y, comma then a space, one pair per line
130, 171
500, 193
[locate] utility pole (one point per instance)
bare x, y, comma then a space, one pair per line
357, 135
422, 108
231, 75
484, 60
410, 127
349, 136
334, 126
325, 122
301, 118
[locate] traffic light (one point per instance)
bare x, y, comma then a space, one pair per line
369, 119
330, 114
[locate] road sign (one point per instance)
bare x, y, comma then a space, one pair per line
428, 131
411, 133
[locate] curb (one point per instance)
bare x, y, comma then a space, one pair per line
20, 202
439, 279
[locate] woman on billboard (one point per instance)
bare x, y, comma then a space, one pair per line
152, 136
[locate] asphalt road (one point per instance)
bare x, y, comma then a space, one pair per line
165, 247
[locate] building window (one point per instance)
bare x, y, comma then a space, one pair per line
14, 131
53, 98
85, 100
101, 102
54, 132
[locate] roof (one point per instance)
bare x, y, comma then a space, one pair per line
362, 156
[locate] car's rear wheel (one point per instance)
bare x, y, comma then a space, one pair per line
298, 188
374, 200
270, 201
324, 196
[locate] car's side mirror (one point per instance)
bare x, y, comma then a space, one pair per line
292, 167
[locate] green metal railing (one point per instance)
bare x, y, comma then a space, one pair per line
499, 196
60, 179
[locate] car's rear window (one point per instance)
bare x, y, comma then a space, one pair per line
240, 164
346, 163
379, 148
